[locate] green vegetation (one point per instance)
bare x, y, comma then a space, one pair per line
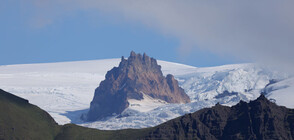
24, 121
21, 120
74, 132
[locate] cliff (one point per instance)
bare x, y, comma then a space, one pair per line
134, 77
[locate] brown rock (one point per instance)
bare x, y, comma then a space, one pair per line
134, 77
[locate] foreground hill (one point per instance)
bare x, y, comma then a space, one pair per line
258, 119
21, 120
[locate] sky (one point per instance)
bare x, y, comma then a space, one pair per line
194, 32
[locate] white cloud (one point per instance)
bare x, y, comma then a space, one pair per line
254, 30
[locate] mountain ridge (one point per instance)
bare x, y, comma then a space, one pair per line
258, 119
21, 120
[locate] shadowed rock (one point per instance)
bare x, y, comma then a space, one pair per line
259, 119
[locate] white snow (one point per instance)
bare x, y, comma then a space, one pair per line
135, 119
282, 92
56, 87
66, 89
146, 104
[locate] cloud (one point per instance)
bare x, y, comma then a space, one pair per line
262, 30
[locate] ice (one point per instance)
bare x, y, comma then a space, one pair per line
66, 89
146, 104
282, 92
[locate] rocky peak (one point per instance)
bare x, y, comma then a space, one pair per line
134, 77
262, 98
137, 63
259, 119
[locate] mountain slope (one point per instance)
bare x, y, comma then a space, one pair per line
65, 89
68, 85
132, 79
259, 119
21, 120
74, 132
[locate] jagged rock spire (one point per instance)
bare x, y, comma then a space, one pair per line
134, 77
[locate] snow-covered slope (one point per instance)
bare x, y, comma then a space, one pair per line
66, 89
246, 81
147, 104
282, 92
56, 87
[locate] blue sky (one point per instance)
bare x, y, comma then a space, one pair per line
87, 35
194, 32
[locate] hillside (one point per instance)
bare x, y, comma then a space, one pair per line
259, 119
21, 120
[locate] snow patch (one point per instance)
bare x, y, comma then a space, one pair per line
146, 104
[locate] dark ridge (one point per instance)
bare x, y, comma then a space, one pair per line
21, 120
257, 120
13, 98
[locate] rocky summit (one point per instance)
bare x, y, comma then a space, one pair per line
134, 77
257, 120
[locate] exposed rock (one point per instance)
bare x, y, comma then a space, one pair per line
259, 119
134, 77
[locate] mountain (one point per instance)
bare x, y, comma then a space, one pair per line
21, 120
65, 90
259, 119
132, 79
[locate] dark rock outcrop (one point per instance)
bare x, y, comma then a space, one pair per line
134, 77
259, 119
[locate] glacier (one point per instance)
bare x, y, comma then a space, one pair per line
65, 90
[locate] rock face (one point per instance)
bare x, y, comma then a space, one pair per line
259, 119
134, 77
